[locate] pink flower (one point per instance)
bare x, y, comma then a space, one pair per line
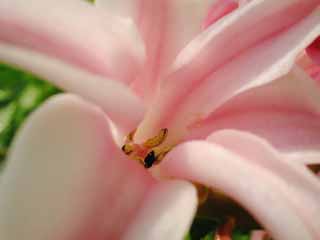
222, 78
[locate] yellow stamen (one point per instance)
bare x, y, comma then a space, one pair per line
157, 140
139, 159
131, 136
127, 149
162, 152
150, 152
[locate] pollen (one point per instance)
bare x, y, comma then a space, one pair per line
150, 152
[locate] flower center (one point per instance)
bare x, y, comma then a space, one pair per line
150, 152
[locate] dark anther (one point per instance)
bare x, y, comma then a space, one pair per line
150, 159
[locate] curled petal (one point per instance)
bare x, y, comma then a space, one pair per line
116, 99
67, 179
305, 186
219, 9
166, 27
167, 213
285, 112
254, 176
87, 38
228, 59
314, 51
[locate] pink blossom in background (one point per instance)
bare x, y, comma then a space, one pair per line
231, 82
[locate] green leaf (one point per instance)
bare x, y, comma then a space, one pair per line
20, 94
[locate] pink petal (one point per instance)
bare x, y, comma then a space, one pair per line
258, 235
67, 179
315, 73
304, 61
123, 107
285, 112
314, 51
242, 144
76, 32
219, 9
169, 210
166, 27
214, 67
243, 2
292, 210
121, 8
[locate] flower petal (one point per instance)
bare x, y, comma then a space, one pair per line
121, 8
314, 51
307, 192
219, 9
285, 112
167, 213
215, 67
67, 179
87, 38
166, 27
258, 235
123, 107
248, 177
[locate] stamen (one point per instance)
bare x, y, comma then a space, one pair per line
150, 152
157, 140
162, 152
150, 159
127, 149
131, 135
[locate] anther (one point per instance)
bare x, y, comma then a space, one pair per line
150, 152
150, 159
157, 140
127, 149
162, 152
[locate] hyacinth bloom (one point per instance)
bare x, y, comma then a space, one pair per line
225, 81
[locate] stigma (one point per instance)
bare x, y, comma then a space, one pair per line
150, 152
